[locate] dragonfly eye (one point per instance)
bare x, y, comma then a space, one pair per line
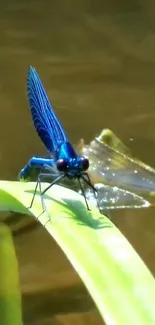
84, 163
62, 165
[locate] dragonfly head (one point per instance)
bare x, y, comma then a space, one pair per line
75, 165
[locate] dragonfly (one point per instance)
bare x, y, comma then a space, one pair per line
110, 164
110, 196
63, 156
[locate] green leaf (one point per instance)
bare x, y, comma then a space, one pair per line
10, 293
120, 284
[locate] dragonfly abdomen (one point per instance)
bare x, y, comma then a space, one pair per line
35, 163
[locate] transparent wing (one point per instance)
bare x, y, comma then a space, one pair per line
115, 168
45, 121
112, 198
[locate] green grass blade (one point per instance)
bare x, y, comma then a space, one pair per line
117, 279
10, 293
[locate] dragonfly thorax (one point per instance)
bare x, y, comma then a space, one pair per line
73, 166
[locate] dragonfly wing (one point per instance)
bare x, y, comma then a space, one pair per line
114, 168
113, 198
45, 121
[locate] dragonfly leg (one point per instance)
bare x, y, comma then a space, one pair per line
95, 191
82, 190
88, 182
54, 182
41, 177
46, 189
34, 194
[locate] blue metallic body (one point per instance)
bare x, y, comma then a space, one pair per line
66, 151
54, 138
35, 163
47, 125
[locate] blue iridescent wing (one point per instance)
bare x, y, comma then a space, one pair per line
45, 121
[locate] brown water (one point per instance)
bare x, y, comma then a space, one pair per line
97, 62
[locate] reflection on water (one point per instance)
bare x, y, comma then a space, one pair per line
98, 65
